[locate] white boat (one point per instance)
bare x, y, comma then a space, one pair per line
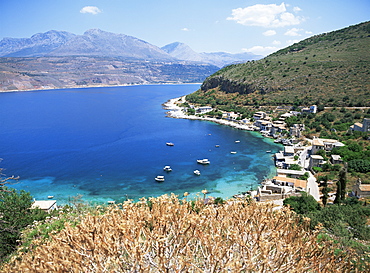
50, 196
204, 161
232, 152
237, 141
159, 178
169, 144
217, 146
167, 168
197, 172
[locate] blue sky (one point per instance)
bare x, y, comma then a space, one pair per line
234, 26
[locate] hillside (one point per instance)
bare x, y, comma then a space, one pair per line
331, 69
69, 72
168, 234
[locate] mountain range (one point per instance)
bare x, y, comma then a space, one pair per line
95, 42
59, 59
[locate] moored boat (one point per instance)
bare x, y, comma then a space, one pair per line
167, 168
197, 172
159, 178
204, 161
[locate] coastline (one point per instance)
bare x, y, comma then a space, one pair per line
175, 111
94, 86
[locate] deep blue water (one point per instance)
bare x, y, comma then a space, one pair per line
109, 143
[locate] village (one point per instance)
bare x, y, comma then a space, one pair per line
295, 164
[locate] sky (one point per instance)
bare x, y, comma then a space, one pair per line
233, 26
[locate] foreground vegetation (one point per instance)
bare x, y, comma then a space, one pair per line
168, 234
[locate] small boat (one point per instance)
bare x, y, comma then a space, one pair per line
159, 178
197, 172
232, 152
169, 144
237, 141
167, 168
217, 146
50, 196
204, 161
268, 151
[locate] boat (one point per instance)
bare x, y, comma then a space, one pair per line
50, 196
169, 144
204, 161
268, 151
159, 178
167, 168
217, 146
232, 152
197, 172
237, 141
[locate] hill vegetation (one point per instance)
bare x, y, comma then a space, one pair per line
330, 69
168, 234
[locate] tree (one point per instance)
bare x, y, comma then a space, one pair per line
302, 204
16, 214
343, 181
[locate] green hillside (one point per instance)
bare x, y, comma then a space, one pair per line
332, 69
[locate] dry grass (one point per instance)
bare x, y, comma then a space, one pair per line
167, 234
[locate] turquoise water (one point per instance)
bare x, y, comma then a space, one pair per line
109, 143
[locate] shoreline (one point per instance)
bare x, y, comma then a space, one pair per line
175, 111
93, 86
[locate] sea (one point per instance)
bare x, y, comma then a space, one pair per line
109, 143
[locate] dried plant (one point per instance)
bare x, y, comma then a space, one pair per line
167, 234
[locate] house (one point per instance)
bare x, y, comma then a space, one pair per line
296, 130
45, 205
292, 182
290, 173
204, 109
316, 161
230, 115
361, 190
288, 151
317, 144
259, 115
312, 109
336, 159
362, 127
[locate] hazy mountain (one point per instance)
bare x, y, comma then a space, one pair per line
39, 44
96, 42
182, 51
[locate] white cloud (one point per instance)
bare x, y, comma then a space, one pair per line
296, 9
271, 15
90, 9
275, 42
293, 32
261, 50
185, 29
309, 32
269, 32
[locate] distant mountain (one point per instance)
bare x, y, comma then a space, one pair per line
59, 59
96, 42
330, 69
182, 51
38, 45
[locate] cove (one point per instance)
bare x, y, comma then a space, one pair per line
109, 143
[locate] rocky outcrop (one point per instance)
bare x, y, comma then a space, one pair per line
227, 85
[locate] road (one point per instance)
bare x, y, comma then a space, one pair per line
312, 187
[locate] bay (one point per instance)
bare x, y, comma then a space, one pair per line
109, 143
